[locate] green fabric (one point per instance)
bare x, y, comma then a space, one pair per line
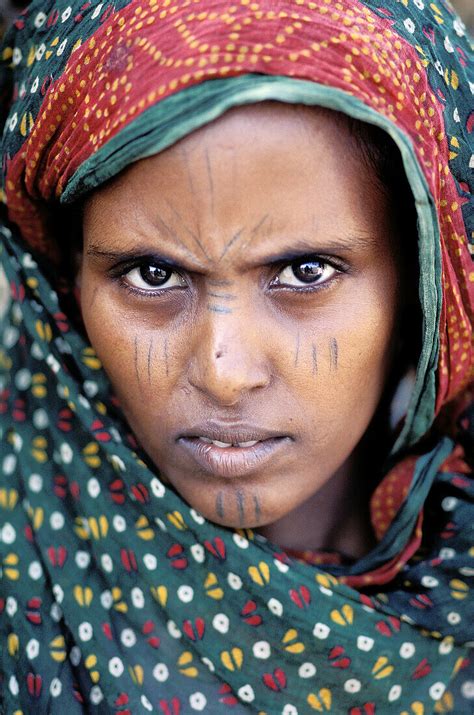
115, 594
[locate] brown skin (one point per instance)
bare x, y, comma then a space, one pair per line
310, 364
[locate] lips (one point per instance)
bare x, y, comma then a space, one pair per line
224, 450
232, 461
225, 445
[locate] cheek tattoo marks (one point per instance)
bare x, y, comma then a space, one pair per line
135, 361
165, 351
315, 360
297, 351
150, 354
333, 356
333, 353
149, 360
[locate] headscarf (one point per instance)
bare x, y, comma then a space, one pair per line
116, 596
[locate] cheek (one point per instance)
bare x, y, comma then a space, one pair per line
366, 366
136, 360
355, 350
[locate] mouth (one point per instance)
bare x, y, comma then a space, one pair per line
232, 453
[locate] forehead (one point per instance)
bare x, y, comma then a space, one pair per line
290, 171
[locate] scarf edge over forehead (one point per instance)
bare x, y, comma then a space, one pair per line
122, 570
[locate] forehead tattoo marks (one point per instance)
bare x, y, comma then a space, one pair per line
210, 178
228, 245
184, 156
191, 233
236, 237
234, 240
167, 229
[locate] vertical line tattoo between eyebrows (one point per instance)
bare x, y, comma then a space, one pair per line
241, 506
220, 505
334, 352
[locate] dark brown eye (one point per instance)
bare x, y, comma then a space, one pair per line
306, 272
154, 275
150, 276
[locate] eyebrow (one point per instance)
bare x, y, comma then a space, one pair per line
303, 247
306, 246
144, 252
288, 252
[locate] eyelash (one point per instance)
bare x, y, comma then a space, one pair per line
119, 272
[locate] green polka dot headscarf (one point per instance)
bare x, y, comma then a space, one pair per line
115, 595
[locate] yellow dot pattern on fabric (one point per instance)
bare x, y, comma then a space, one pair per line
118, 594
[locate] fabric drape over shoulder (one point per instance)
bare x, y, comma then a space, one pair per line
115, 595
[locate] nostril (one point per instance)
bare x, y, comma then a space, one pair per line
219, 354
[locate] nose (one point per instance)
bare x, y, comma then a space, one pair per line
229, 358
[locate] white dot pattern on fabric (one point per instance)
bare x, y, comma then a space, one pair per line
173, 613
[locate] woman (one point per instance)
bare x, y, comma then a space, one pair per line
244, 276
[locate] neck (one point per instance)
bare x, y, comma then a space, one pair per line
336, 518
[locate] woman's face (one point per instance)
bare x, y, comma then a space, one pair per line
242, 287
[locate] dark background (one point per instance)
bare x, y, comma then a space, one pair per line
9, 7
